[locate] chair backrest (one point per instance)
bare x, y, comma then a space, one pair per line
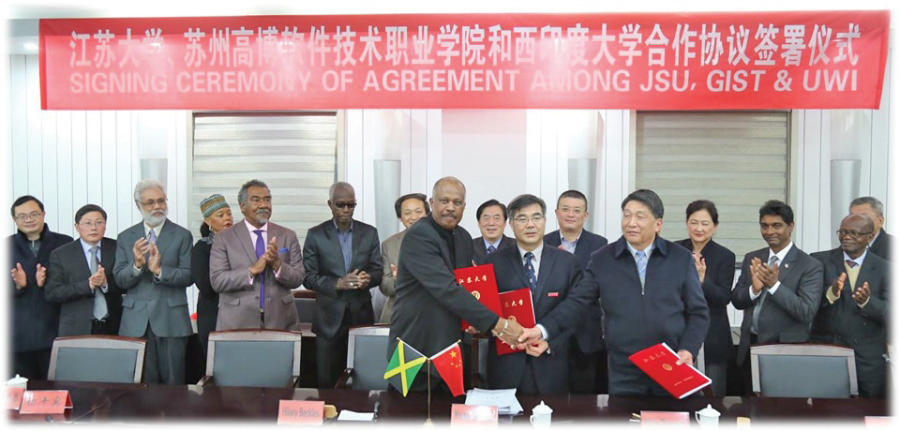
253, 357
803, 371
97, 358
367, 355
306, 309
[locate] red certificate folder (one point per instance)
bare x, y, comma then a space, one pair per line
658, 362
481, 283
516, 305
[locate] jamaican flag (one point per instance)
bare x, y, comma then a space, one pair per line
403, 366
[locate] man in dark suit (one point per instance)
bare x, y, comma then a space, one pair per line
779, 289
854, 310
254, 265
429, 302
342, 261
90, 301
587, 356
153, 269
550, 273
880, 244
35, 320
491, 216
650, 293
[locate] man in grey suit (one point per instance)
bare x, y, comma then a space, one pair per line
343, 261
90, 301
254, 265
410, 208
153, 268
880, 244
429, 302
854, 310
491, 216
779, 289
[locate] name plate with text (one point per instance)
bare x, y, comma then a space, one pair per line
461, 414
45, 402
301, 412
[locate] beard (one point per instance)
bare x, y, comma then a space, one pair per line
262, 216
154, 218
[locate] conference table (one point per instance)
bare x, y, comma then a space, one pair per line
143, 403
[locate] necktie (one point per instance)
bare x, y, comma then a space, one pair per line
261, 250
851, 263
491, 249
640, 258
754, 322
529, 270
152, 237
100, 309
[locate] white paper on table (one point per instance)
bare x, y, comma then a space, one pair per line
349, 415
504, 399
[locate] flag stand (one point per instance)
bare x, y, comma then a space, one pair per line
428, 366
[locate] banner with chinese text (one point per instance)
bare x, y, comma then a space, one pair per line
660, 61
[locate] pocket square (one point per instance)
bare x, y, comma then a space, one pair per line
553, 294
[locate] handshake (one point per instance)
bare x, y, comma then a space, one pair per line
529, 339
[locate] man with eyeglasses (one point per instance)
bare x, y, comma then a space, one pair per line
854, 310
153, 269
587, 358
779, 289
342, 261
35, 320
254, 265
550, 274
90, 301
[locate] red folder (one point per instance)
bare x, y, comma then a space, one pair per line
658, 362
516, 305
481, 283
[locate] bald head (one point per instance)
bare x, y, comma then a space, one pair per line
448, 200
339, 186
855, 233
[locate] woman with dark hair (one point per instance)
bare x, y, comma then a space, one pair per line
715, 265
216, 218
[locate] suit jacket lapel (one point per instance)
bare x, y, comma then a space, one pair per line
165, 234
864, 275
354, 241
516, 261
786, 266
331, 234
246, 240
107, 255
546, 269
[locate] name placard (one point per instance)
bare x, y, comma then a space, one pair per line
653, 417
14, 398
301, 412
45, 402
461, 414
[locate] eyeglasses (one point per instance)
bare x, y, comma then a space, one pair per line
30, 216
537, 218
852, 234
151, 203
345, 204
98, 223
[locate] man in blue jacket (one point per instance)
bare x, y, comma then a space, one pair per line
650, 293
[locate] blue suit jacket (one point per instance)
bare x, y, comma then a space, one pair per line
558, 274
590, 335
669, 308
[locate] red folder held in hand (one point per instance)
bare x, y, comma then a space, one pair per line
658, 362
516, 305
481, 283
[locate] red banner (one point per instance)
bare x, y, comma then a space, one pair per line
668, 61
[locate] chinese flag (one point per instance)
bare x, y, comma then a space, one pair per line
448, 363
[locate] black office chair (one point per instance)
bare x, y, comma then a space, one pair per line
367, 348
803, 371
253, 357
97, 358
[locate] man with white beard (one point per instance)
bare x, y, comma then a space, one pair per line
153, 267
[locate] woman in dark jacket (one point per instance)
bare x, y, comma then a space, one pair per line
216, 218
715, 265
